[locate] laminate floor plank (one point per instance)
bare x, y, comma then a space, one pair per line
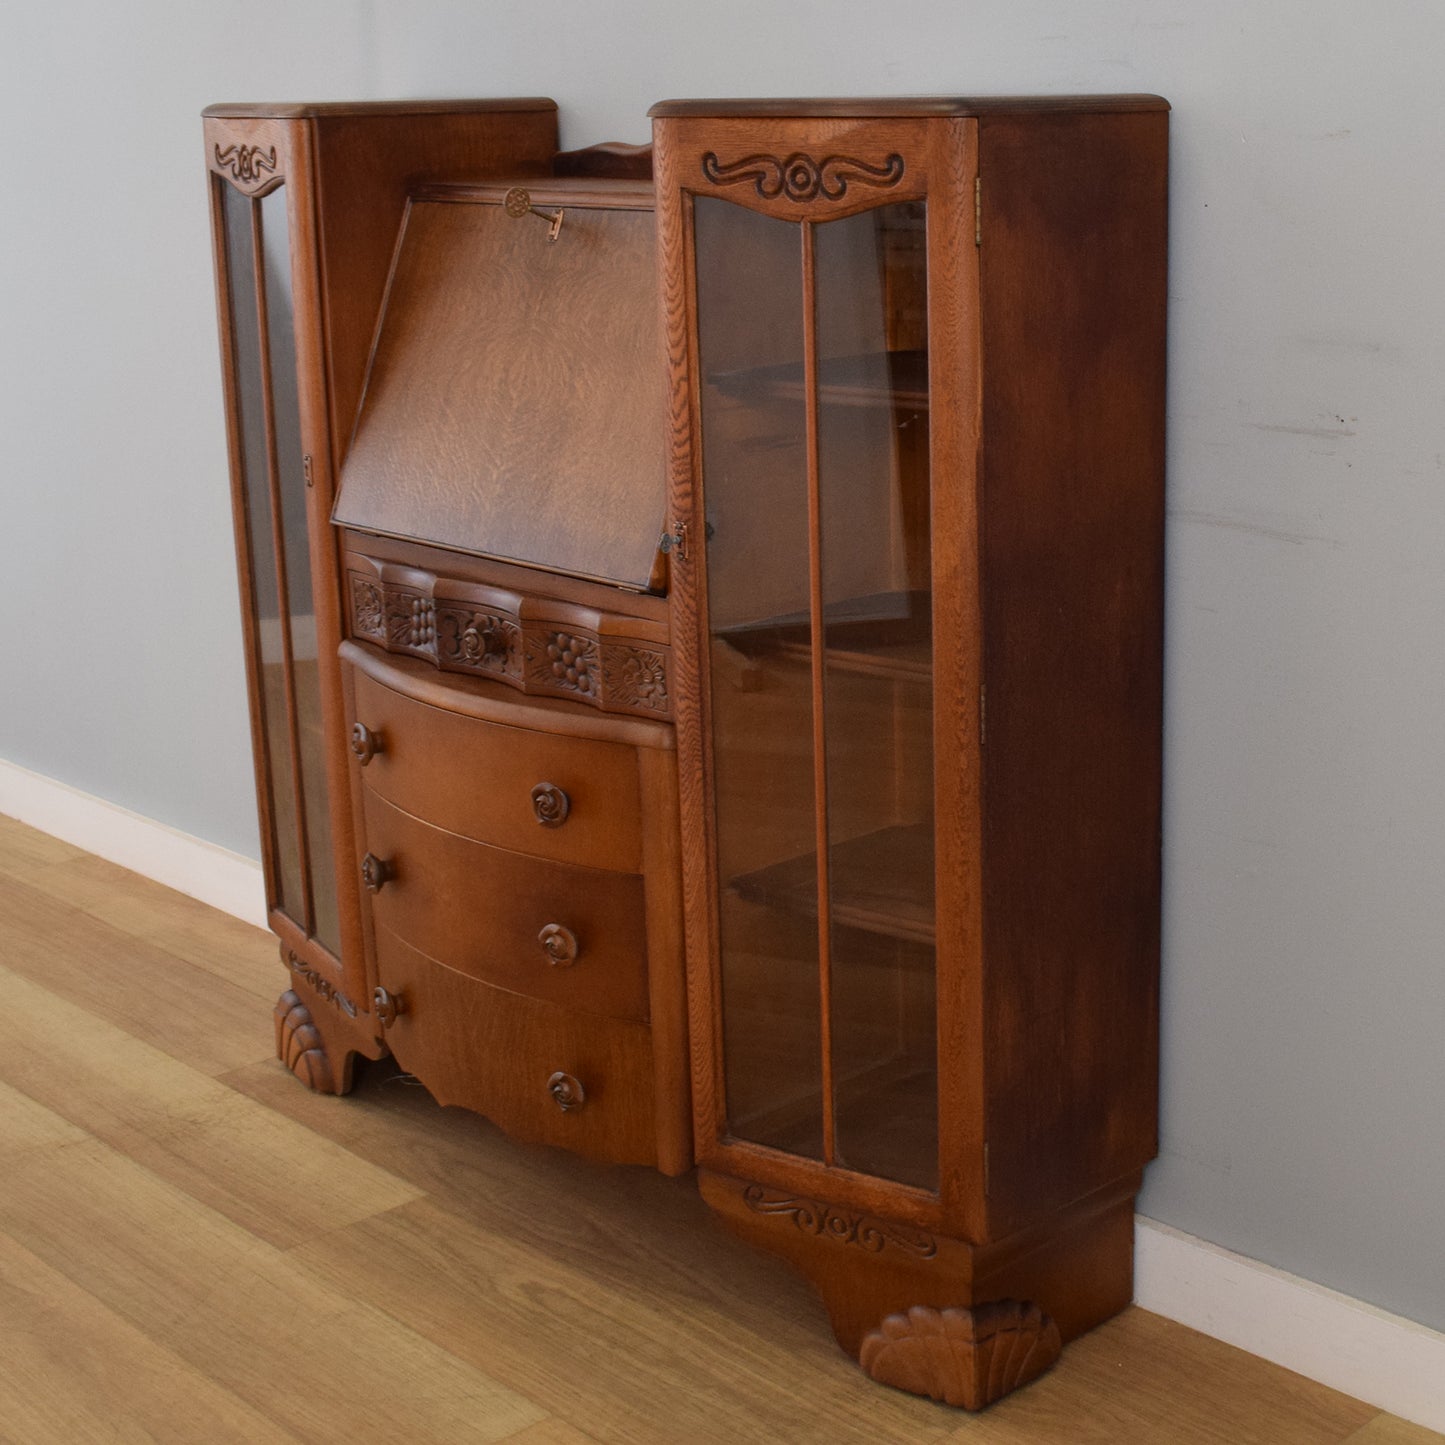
1391, 1430
131, 982
235, 952
258, 1168
551, 1432
317, 1362
626, 1365
72, 1370
1140, 1379
620, 1224
23, 848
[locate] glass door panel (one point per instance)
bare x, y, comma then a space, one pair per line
814, 378
249, 401
272, 472
750, 334
295, 546
872, 447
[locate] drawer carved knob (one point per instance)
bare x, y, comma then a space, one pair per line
559, 944
375, 872
567, 1093
386, 1006
365, 743
550, 805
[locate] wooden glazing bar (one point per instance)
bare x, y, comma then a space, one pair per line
278, 546
820, 755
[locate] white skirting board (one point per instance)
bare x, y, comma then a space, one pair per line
1387, 1361
1341, 1342
215, 875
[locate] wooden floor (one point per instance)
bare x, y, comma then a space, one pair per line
193, 1248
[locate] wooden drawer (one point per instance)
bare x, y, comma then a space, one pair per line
504, 1056
575, 799
573, 936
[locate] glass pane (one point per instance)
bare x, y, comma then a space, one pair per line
872, 407
302, 620
754, 463
249, 401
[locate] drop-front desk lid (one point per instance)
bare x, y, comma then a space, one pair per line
514, 402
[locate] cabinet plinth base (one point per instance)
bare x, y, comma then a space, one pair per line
322, 1064
960, 1322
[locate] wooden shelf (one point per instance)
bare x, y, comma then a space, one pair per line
887, 636
880, 882
894, 379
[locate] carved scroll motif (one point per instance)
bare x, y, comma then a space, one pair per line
324, 987
249, 166
801, 178
967, 1357
839, 1225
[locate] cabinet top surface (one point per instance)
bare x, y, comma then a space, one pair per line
867, 107
279, 110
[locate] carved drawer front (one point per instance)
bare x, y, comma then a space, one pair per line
574, 799
539, 1071
574, 936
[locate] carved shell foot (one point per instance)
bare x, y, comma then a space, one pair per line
967, 1357
299, 1044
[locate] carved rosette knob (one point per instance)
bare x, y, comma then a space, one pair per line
375, 872
550, 805
567, 1092
386, 1006
365, 743
559, 944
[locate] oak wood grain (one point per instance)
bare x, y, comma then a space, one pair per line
476, 778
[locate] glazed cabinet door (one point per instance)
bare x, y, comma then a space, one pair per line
820, 285
262, 208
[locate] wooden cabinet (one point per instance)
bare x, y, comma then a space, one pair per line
741, 730
917, 456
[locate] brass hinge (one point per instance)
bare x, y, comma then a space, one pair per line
306, 469
675, 541
982, 715
978, 210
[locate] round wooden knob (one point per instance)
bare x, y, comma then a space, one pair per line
550, 805
375, 872
386, 1006
559, 944
518, 201
365, 743
567, 1092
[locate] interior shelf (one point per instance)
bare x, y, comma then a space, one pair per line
881, 882
895, 379
888, 635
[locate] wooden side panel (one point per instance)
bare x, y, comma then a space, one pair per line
1073, 278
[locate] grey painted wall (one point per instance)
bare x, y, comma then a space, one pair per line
1304, 986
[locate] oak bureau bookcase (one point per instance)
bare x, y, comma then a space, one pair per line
704, 627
